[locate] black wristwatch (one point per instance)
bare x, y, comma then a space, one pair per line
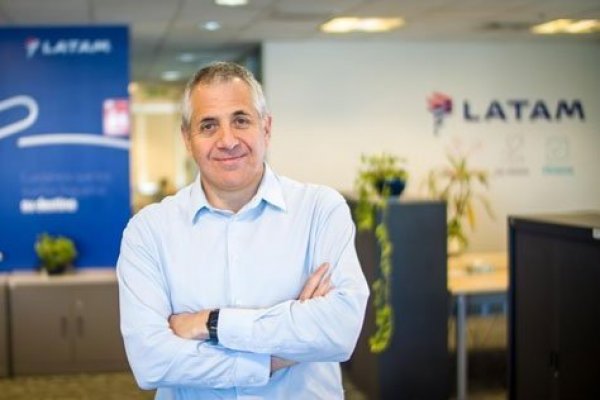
211, 325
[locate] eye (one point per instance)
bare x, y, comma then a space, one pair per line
208, 127
241, 122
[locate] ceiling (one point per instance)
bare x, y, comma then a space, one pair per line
161, 30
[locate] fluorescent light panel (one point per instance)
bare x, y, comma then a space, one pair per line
211, 26
565, 25
231, 3
356, 24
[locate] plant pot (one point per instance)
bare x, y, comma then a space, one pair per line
395, 186
58, 270
455, 247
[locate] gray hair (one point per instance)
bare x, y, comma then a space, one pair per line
221, 72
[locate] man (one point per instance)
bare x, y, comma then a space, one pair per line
244, 284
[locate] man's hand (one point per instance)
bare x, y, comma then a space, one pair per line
317, 285
280, 363
193, 325
190, 325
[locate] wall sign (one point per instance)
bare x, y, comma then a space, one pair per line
64, 141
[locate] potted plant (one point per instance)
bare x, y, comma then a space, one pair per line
380, 177
460, 186
56, 253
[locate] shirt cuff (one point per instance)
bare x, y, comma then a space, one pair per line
252, 369
235, 328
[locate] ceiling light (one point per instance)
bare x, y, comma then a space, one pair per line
211, 26
355, 24
584, 26
171, 76
187, 57
564, 25
231, 3
551, 27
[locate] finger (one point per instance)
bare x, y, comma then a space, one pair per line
316, 279
323, 288
313, 282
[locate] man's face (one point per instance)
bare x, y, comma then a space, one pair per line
227, 137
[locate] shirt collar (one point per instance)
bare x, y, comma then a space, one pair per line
269, 190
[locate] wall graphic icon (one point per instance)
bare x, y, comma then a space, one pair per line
558, 159
440, 105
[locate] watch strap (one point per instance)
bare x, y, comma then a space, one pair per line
211, 325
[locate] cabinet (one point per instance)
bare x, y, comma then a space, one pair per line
3, 328
554, 303
65, 324
416, 365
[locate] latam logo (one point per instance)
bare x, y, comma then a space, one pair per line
62, 47
509, 110
440, 105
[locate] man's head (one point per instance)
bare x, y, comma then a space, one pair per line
222, 72
226, 128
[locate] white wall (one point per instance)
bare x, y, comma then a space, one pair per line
333, 101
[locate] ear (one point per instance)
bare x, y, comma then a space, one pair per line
267, 127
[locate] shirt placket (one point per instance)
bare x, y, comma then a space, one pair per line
233, 259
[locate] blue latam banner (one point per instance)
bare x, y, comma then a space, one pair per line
64, 141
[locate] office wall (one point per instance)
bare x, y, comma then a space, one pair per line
538, 128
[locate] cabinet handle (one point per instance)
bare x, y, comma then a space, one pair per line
63, 327
554, 364
80, 331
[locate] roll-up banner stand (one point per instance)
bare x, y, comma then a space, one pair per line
64, 141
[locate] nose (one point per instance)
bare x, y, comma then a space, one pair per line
227, 138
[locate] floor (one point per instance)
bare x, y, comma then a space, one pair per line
109, 386
487, 372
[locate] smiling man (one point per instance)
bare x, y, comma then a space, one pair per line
244, 284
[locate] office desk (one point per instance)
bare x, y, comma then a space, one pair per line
472, 274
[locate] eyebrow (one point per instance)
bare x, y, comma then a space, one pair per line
216, 119
241, 112
207, 119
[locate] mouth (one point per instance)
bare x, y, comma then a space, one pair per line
229, 159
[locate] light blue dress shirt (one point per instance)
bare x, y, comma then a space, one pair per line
183, 255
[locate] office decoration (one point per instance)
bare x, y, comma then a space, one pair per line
380, 177
64, 141
460, 186
56, 253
